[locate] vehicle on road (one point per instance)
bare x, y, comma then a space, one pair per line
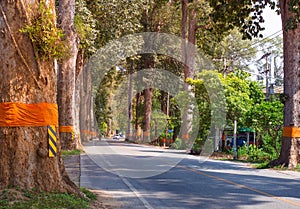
118, 136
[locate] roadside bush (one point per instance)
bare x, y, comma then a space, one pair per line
178, 144
254, 154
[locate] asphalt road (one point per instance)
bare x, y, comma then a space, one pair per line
149, 177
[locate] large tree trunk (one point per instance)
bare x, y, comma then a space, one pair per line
289, 154
27, 80
188, 52
78, 87
129, 135
66, 76
147, 114
137, 115
84, 81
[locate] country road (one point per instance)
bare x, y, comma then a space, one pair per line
140, 176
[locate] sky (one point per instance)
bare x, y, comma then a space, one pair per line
272, 22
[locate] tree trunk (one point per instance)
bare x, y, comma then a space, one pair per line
85, 81
130, 92
188, 50
110, 125
66, 76
184, 12
27, 80
137, 115
289, 154
78, 87
147, 115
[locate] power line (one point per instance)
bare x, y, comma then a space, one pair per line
260, 42
264, 40
262, 49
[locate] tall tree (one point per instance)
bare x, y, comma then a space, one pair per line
85, 24
28, 97
188, 22
66, 75
233, 53
290, 13
114, 19
191, 13
151, 22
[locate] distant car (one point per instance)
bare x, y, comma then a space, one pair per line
116, 136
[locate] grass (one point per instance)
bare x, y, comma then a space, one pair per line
262, 165
265, 165
15, 198
71, 152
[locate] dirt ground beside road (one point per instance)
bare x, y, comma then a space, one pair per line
104, 200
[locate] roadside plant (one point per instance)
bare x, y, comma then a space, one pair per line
47, 39
252, 153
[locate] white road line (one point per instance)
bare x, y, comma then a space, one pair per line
129, 185
137, 194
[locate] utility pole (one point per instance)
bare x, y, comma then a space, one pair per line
267, 70
234, 140
167, 117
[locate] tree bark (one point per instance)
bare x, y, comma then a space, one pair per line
289, 154
147, 115
129, 135
84, 82
188, 50
78, 87
137, 115
66, 76
25, 79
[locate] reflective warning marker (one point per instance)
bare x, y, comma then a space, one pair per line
52, 140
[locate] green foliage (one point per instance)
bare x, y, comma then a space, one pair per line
203, 102
90, 195
233, 53
267, 119
85, 25
293, 21
256, 94
258, 155
12, 198
211, 107
197, 146
238, 100
45, 36
116, 18
244, 14
103, 127
104, 96
178, 145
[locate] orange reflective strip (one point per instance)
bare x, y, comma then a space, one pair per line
85, 131
291, 131
19, 114
185, 136
66, 129
147, 133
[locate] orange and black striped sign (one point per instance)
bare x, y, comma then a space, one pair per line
52, 140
